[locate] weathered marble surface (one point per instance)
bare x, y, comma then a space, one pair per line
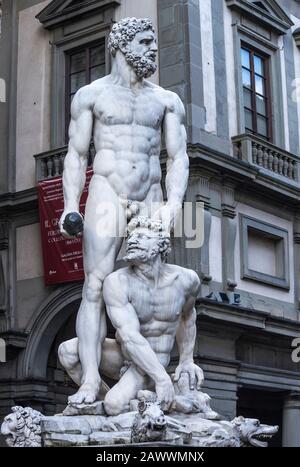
151, 304
148, 424
22, 428
125, 113
97, 408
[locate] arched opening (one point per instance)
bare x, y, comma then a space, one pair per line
60, 385
49, 319
54, 323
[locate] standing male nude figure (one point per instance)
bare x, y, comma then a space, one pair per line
126, 114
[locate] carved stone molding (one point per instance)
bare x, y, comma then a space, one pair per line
43, 327
228, 201
297, 238
15, 342
297, 229
204, 190
59, 12
270, 15
3, 235
229, 229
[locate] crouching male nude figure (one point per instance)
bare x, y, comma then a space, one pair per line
150, 304
126, 114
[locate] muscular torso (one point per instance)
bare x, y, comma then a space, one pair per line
159, 308
127, 136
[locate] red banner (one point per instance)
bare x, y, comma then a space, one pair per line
63, 261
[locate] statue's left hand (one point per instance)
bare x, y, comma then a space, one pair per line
195, 373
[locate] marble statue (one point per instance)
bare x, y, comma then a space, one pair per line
253, 433
150, 304
22, 428
25, 427
150, 423
126, 114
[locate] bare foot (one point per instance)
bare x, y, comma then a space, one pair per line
87, 394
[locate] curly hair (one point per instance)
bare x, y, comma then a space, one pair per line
164, 247
28, 431
125, 30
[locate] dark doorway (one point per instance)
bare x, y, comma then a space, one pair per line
264, 405
60, 383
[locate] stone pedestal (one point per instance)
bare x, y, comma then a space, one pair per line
26, 427
291, 421
97, 430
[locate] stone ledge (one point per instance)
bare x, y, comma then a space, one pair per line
15, 341
247, 317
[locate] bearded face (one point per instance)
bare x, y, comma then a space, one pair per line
143, 66
140, 53
142, 247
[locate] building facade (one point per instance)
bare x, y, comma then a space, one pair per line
236, 66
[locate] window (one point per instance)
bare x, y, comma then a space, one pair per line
256, 93
76, 26
84, 65
264, 253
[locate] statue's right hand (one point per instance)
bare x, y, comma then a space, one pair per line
71, 224
165, 392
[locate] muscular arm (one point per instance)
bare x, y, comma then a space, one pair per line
125, 321
75, 163
186, 336
178, 162
186, 332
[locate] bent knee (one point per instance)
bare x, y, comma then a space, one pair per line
114, 404
67, 355
62, 351
93, 288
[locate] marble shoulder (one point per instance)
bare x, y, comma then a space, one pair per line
171, 99
116, 288
117, 276
174, 103
86, 96
190, 280
188, 277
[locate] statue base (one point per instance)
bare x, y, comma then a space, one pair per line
181, 430
148, 425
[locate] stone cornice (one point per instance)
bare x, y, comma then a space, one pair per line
243, 173
59, 12
18, 203
15, 342
246, 318
277, 20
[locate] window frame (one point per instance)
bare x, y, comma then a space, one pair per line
68, 54
66, 36
267, 84
270, 47
272, 232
